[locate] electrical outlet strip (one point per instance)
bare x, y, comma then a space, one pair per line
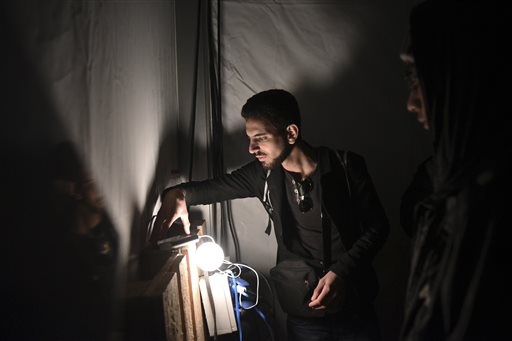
224, 316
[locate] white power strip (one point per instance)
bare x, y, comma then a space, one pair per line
224, 318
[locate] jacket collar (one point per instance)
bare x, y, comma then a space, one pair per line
324, 160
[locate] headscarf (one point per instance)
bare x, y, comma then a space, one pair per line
454, 45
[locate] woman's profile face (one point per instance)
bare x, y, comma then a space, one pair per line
415, 100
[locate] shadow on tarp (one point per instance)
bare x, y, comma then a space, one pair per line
59, 245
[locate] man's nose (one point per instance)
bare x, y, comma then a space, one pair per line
253, 147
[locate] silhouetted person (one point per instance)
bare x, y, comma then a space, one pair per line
459, 261
66, 263
90, 251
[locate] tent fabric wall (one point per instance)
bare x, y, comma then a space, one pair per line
109, 70
116, 77
101, 74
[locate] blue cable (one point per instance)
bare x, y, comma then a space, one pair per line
266, 322
234, 284
237, 306
250, 303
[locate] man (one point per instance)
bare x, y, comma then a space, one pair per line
303, 189
463, 192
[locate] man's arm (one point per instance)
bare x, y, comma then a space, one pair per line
374, 225
244, 182
370, 216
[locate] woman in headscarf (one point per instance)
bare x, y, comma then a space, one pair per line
456, 283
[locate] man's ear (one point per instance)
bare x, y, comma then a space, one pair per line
292, 133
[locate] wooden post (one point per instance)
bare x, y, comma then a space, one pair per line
168, 307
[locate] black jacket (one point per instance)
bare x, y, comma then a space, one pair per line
361, 222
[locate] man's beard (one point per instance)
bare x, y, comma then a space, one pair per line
280, 158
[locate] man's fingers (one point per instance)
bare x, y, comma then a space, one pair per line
186, 223
316, 292
316, 304
184, 220
317, 301
320, 307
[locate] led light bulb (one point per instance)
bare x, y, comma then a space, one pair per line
209, 256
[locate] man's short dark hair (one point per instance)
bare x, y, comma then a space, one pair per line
277, 107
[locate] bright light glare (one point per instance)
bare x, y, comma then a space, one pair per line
209, 256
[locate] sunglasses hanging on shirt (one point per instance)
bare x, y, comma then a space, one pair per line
302, 190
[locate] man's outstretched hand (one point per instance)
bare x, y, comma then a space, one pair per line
174, 206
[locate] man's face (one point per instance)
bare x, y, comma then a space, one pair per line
415, 101
267, 146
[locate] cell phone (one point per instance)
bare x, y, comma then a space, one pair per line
178, 241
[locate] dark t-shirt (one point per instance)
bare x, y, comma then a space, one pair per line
309, 224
